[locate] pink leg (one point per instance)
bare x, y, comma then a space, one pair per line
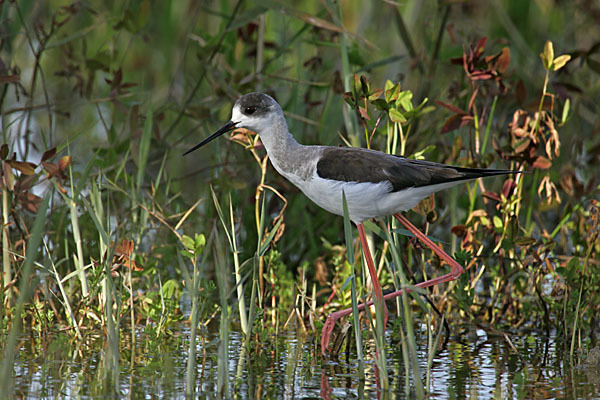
372, 271
456, 270
370, 264
330, 322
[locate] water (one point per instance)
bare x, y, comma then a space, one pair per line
289, 366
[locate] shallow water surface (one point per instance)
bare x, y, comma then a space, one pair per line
290, 366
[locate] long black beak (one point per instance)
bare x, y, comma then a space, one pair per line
224, 129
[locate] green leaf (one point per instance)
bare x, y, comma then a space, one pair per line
420, 155
144, 147
200, 240
548, 55
388, 85
560, 61
497, 222
405, 100
391, 92
265, 245
396, 116
187, 242
524, 241
565, 112
381, 104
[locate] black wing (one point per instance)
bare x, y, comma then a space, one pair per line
351, 164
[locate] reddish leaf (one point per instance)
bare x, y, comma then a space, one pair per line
480, 46
60, 188
123, 252
472, 100
452, 123
48, 154
503, 60
51, 169
8, 176
459, 230
451, 107
492, 196
481, 75
363, 113
4, 151
64, 162
542, 163
508, 188
31, 202
523, 145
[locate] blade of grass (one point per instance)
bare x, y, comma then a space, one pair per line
223, 352
26, 286
144, 149
76, 234
231, 238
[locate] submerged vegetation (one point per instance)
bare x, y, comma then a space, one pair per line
107, 230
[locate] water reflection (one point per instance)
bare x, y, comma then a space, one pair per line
289, 366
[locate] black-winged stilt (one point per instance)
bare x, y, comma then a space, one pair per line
375, 184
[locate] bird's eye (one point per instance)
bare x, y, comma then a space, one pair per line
249, 110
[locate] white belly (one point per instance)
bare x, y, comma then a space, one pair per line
365, 199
